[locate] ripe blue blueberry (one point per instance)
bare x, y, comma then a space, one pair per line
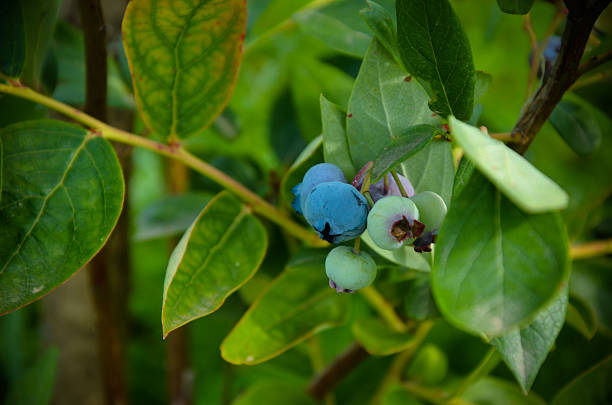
319, 173
377, 190
337, 211
349, 271
393, 221
432, 211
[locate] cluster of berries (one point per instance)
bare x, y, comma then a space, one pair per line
339, 212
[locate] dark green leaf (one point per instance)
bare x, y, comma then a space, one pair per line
36, 385
298, 304
581, 315
383, 105
495, 267
184, 59
61, 184
335, 146
436, 50
591, 281
590, 388
432, 169
381, 23
464, 172
310, 156
577, 126
12, 47
407, 144
274, 393
418, 301
220, 251
398, 395
491, 390
333, 31
379, 339
518, 179
524, 350
170, 215
39, 18
515, 6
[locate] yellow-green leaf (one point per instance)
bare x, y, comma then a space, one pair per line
184, 58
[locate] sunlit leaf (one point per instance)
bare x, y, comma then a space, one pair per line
378, 338
335, 146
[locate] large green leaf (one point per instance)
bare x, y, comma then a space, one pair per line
436, 50
12, 46
37, 383
184, 58
518, 179
432, 169
577, 126
170, 215
39, 18
380, 21
383, 105
419, 303
524, 350
379, 339
491, 390
220, 251
296, 305
515, 6
591, 388
335, 146
61, 184
496, 266
400, 149
274, 393
591, 281
581, 316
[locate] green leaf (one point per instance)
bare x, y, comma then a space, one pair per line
591, 388
39, 18
515, 6
61, 184
581, 316
518, 179
590, 281
483, 80
404, 256
419, 303
274, 393
184, 58
220, 251
491, 390
400, 149
383, 105
379, 339
495, 267
432, 169
333, 31
462, 177
169, 216
398, 395
436, 50
311, 155
12, 47
298, 304
36, 385
524, 350
577, 126
381, 23
335, 146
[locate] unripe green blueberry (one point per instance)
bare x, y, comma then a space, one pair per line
432, 209
349, 271
429, 366
393, 221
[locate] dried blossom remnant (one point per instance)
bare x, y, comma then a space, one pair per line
423, 243
407, 228
339, 289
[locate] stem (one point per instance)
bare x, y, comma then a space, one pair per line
432, 395
486, 365
535, 50
591, 249
508, 137
356, 247
174, 151
339, 368
400, 186
384, 308
594, 61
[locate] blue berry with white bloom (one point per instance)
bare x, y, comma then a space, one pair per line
317, 174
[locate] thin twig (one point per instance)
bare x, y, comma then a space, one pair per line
591, 249
594, 61
535, 52
484, 367
384, 308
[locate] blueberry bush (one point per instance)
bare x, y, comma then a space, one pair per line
338, 201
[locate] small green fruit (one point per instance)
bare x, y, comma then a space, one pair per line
348, 271
393, 221
430, 366
432, 209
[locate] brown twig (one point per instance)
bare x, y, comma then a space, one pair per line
109, 339
594, 61
535, 51
564, 71
340, 367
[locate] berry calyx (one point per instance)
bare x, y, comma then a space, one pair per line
349, 271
